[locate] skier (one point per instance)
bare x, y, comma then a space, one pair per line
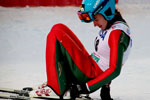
70, 69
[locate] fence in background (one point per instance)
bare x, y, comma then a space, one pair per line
23, 3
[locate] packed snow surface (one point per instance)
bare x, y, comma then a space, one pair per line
23, 33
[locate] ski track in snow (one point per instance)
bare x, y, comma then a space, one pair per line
23, 34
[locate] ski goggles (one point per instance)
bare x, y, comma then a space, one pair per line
88, 16
85, 17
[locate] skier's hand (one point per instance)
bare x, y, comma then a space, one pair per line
77, 90
82, 89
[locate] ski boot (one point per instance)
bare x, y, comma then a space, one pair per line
105, 92
44, 91
48, 93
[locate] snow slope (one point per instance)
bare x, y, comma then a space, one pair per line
23, 34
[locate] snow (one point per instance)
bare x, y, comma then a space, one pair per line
23, 34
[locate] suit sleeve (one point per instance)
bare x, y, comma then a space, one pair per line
118, 43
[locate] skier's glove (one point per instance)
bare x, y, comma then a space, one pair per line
76, 90
82, 89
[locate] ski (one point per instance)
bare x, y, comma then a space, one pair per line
11, 96
14, 94
20, 92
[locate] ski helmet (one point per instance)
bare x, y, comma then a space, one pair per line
90, 8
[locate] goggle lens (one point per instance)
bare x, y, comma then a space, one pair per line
84, 17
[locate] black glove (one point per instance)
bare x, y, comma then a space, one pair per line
82, 89
77, 89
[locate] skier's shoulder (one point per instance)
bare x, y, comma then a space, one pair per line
120, 25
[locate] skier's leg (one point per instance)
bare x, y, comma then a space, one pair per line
65, 52
66, 30
105, 92
54, 62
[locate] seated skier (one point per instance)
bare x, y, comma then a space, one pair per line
71, 70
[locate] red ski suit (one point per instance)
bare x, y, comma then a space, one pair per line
68, 61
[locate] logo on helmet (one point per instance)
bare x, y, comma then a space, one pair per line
97, 2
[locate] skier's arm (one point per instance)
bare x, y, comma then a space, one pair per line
118, 43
